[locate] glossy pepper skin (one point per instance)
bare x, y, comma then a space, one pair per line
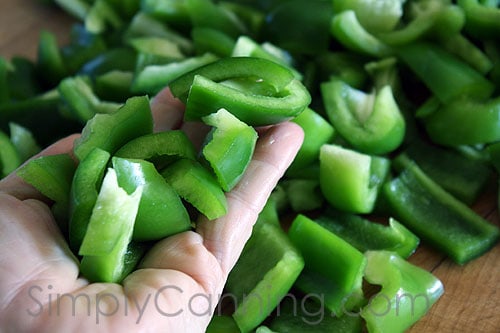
85, 188
372, 123
407, 293
161, 212
437, 217
204, 92
351, 181
333, 267
229, 148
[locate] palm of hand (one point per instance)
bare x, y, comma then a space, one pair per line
180, 279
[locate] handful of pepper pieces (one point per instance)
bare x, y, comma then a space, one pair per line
397, 100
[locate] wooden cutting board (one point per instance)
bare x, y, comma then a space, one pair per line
471, 302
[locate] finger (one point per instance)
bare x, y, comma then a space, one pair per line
274, 152
15, 186
167, 111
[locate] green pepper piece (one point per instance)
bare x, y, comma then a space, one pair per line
482, 20
366, 235
161, 212
461, 176
101, 15
466, 50
350, 180
372, 123
208, 40
206, 97
263, 275
317, 132
207, 13
444, 74
437, 217
51, 175
153, 78
198, 186
114, 85
50, 63
408, 292
160, 148
9, 156
109, 231
111, 131
78, 95
230, 147
157, 46
23, 140
482, 118
346, 28
347, 66
85, 187
174, 12
307, 314
112, 221
374, 16
303, 194
333, 268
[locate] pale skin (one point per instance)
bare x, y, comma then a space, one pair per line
180, 279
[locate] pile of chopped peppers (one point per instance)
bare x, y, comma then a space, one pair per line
399, 101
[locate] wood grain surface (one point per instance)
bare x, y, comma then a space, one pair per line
471, 302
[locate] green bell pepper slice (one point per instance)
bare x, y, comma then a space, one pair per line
333, 268
446, 76
349, 180
160, 148
101, 15
483, 20
161, 212
374, 16
198, 186
458, 174
50, 63
109, 231
153, 78
263, 275
112, 220
52, 175
366, 235
408, 292
203, 91
437, 217
229, 148
9, 156
23, 141
464, 121
317, 132
222, 324
85, 188
303, 194
372, 123
111, 131
346, 28
213, 41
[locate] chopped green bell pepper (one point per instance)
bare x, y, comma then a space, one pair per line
372, 123
350, 180
444, 74
23, 141
263, 275
333, 268
111, 131
85, 188
437, 217
209, 40
109, 232
160, 148
203, 91
317, 131
408, 292
229, 148
161, 212
9, 156
483, 20
366, 235
195, 184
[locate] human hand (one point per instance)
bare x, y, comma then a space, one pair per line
180, 279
